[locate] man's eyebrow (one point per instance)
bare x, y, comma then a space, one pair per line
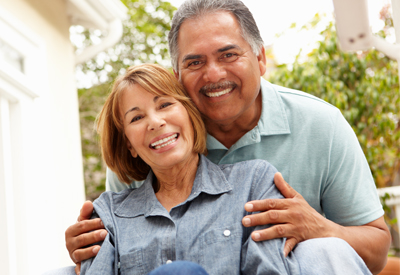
227, 48
191, 56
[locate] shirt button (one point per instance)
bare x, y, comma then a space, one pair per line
227, 233
169, 262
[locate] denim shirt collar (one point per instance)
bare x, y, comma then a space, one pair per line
273, 119
143, 201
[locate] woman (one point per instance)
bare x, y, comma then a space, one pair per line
188, 208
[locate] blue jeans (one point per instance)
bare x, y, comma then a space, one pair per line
174, 268
179, 268
329, 256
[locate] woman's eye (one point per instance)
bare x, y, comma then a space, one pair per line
164, 105
136, 118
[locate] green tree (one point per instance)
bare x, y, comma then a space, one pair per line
363, 85
144, 40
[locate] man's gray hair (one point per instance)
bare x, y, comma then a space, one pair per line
196, 8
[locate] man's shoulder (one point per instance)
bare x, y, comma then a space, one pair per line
302, 98
301, 107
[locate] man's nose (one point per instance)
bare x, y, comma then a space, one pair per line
214, 72
156, 122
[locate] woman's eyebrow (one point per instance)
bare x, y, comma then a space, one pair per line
131, 110
156, 98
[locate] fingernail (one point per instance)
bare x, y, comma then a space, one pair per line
95, 249
256, 236
285, 253
249, 206
103, 234
101, 223
246, 221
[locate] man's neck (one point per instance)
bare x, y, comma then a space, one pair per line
228, 132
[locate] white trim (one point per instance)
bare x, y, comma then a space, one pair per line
106, 15
17, 80
96, 13
114, 36
7, 205
21, 30
394, 193
393, 200
30, 47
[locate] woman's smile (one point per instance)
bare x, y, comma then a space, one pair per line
163, 141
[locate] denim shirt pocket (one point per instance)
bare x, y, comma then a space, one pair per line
132, 263
221, 247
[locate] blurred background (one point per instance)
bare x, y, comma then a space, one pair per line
58, 59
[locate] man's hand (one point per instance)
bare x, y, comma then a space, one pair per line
292, 217
84, 233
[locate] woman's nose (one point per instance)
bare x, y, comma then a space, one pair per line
156, 122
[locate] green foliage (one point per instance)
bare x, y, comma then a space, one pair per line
144, 40
364, 86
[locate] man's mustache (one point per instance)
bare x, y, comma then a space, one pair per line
219, 85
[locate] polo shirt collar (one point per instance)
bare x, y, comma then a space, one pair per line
143, 201
273, 120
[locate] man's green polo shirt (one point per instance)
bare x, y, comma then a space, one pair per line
315, 149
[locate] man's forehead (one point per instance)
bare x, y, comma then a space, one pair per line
205, 22
204, 27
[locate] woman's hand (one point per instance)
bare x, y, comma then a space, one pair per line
84, 233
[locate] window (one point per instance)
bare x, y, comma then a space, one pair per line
11, 57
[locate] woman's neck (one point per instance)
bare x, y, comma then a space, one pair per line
175, 185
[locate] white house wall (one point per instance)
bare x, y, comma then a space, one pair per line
46, 190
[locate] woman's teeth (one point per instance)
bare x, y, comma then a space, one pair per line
216, 94
164, 142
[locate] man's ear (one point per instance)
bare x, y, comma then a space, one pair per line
176, 75
262, 61
131, 149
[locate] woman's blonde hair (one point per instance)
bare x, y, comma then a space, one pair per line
158, 81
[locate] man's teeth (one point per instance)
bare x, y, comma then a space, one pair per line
216, 94
164, 142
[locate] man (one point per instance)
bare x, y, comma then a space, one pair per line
218, 55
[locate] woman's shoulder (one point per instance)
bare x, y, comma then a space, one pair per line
250, 170
252, 165
110, 199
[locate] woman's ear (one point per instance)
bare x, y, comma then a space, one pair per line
131, 149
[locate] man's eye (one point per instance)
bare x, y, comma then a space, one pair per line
194, 65
229, 57
136, 118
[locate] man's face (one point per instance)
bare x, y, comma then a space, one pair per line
218, 68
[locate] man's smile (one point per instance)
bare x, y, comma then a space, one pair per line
217, 94
218, 89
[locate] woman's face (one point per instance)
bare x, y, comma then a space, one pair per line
158, 128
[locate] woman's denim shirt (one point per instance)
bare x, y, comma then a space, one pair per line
205, 229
